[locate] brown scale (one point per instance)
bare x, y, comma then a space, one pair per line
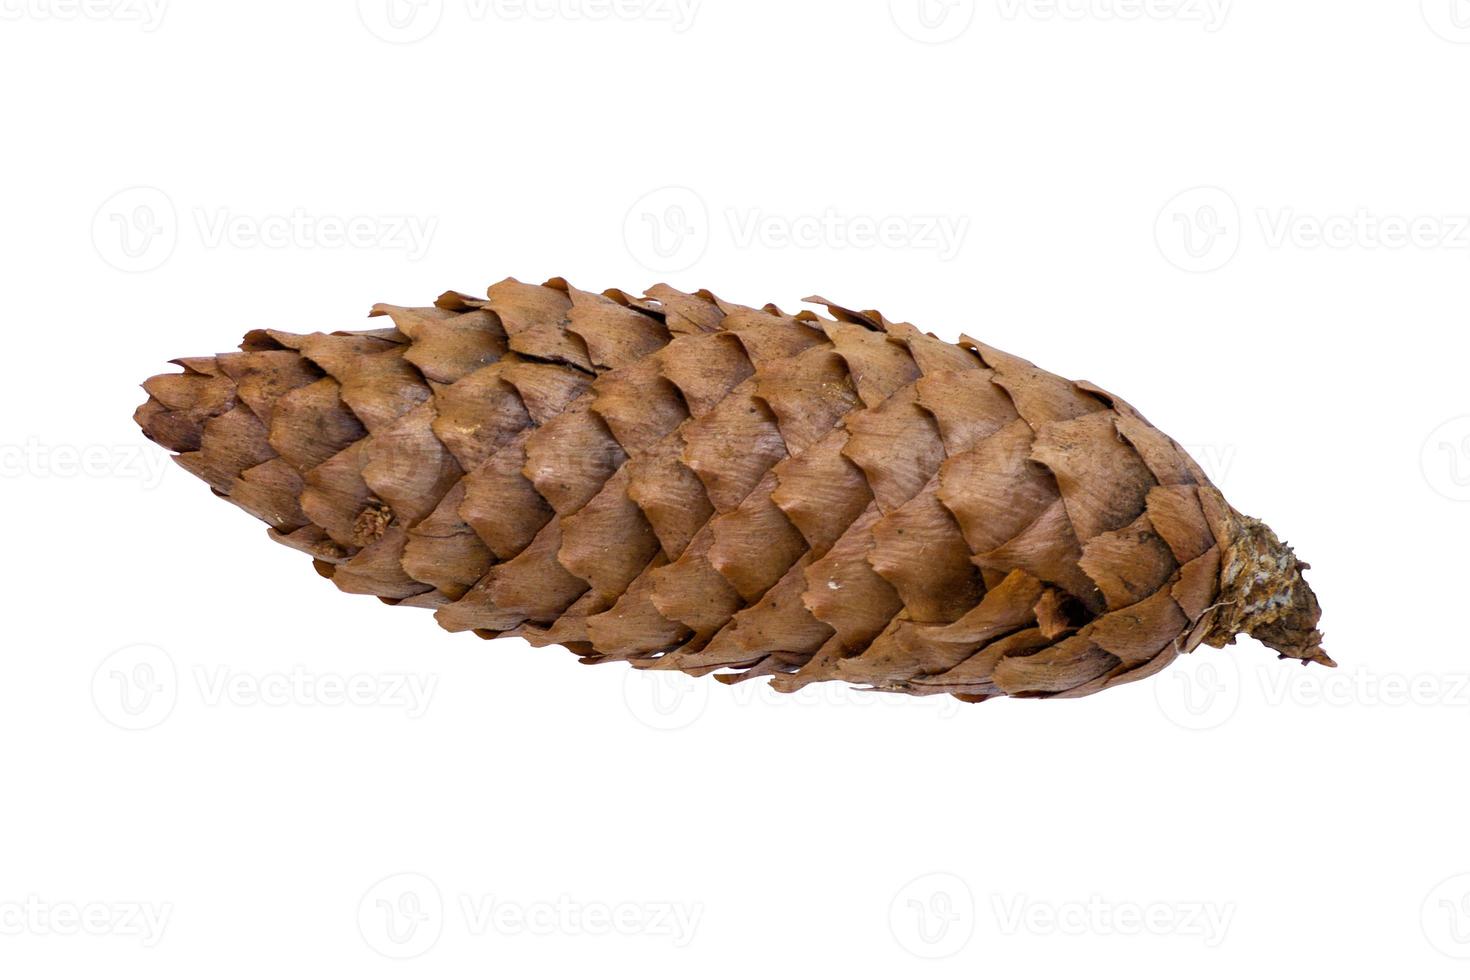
688, 484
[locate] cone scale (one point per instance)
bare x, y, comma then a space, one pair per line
682, 483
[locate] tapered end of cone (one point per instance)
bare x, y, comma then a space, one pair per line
1263, 594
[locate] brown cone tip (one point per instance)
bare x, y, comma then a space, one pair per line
678, 482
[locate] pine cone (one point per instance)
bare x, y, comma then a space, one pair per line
686, 484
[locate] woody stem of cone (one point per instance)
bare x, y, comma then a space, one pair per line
1263, 594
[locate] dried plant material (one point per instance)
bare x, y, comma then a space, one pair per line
681, 483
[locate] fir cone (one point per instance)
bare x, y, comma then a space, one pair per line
682, 483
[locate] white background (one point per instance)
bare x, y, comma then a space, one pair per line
1248, 219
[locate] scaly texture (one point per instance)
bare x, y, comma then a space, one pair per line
682, 483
